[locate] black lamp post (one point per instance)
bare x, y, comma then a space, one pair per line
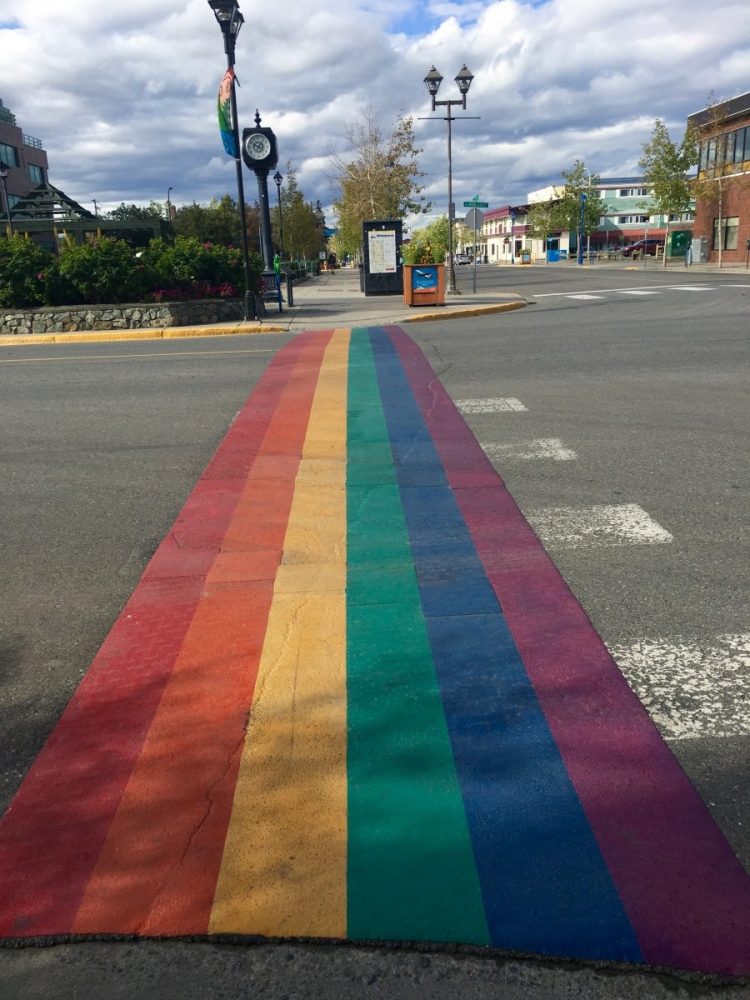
169, 205
277, 180
227, 13
432, 82
4, 180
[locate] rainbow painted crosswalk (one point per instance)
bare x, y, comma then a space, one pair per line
351, 697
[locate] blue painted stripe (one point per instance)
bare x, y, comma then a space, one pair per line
544, 883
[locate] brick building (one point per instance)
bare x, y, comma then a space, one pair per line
722, 211
23, 155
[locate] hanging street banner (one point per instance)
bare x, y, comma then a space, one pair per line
224, 109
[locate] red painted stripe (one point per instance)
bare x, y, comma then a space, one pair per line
51, 835
683, 888
157, 871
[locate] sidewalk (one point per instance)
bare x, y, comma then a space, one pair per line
335, 299
331, 300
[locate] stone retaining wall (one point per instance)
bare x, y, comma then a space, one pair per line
146, 315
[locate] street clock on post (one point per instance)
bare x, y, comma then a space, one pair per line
260, 154
259, 148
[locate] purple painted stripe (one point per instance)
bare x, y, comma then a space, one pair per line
684, 890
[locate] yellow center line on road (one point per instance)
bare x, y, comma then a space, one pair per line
160, 354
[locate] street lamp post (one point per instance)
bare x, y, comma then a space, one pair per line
169, 205
230, 20
432, 82
588, 232
582, 208
277, 181
4, 180
513, 236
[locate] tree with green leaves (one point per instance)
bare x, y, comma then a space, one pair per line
545, 218
303, 229
218, 222
136, 213
578, 180
378, 177
665, 165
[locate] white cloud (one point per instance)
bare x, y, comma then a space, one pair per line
123, 93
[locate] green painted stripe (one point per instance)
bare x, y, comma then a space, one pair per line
411, 872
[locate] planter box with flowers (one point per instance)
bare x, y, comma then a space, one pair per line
424, 277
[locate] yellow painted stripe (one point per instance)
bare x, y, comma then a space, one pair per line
284, 865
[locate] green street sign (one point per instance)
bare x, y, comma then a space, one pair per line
476, 204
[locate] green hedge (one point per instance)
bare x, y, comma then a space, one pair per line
110, 270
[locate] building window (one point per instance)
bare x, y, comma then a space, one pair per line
8, 155
13, 200
729, 147
741, 145
629, 220
35, 174
729, 229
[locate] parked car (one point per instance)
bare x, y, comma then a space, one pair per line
463, 258
643, 248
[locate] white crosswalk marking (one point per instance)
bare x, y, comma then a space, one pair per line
600, 525
551, 448
691, 689
500, 405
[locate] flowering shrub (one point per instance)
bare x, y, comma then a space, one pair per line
427, 246
418, 251
23, 265
197, 290
186, 261
105, 270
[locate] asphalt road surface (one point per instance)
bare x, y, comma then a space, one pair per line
618, 420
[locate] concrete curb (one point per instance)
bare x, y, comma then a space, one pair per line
167, 333
293, 324
470, 311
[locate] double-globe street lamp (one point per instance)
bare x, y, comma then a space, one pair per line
432, 82
277, 178
4, 180
227, 13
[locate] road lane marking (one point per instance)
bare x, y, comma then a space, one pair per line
540, 448
690, 288
159, 354
691, 688
604, 291
507, 404
585, 295
602, 524
638, 291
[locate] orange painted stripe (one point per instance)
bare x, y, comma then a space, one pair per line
157, 871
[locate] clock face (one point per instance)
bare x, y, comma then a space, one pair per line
258, 146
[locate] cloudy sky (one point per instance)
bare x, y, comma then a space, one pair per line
123, 92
